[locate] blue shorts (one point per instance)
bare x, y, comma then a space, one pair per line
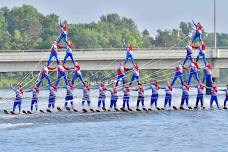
67, 98
51, 99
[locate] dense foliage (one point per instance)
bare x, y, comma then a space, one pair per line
25, 28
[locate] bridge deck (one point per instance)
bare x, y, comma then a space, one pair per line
106, 60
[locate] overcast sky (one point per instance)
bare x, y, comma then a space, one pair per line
148, 14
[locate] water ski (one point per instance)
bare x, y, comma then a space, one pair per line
5, 111
130, 109
84, 110
24, 112
144, 109
149, 109
175, 108
138, 109
92, 110
48, 110
59, 109
182, 108
67, 108
122, 109
41, 111
12, 113
117, 109
103, 108
190, 108
29, 112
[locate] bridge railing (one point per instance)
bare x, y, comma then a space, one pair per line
103, 49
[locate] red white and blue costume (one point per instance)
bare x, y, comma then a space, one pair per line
86, 97
193, 71
35, 91
226, 98
69, 53
44, 75
207, 73
121, 74
140, 96
54, 52
63, 34
135, 76
129, 54
198, 32
69, 96
114, 97
61, 70
202, 53
52, 96
154, 96
178, 74
189, 54
102, 95
126, 97
214, 98
18, 99
185, 95
168, 95
77, 74
200, 91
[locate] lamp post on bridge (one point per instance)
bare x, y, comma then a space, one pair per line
215, 35
208, 83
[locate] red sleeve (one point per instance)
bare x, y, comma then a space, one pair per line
203, 47
55, 88
210, 67
51, 69
187, 87
170, 88
197, 65
130, 48
59, 46
70, 45
126, 69
71, 87
38, 90
65, 67
65, 27
22, 91
195, 47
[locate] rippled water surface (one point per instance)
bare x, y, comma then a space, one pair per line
202, 130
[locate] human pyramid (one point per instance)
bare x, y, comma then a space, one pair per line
69, 86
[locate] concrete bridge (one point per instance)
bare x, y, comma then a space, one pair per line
107, 59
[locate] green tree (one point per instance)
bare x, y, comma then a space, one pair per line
148, 41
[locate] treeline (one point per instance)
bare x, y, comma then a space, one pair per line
25, 28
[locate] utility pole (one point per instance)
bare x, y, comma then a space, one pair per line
215, 35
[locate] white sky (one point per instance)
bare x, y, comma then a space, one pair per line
149, 14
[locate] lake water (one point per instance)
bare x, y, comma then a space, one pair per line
181, 130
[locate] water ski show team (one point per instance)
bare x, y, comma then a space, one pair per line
61, 68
